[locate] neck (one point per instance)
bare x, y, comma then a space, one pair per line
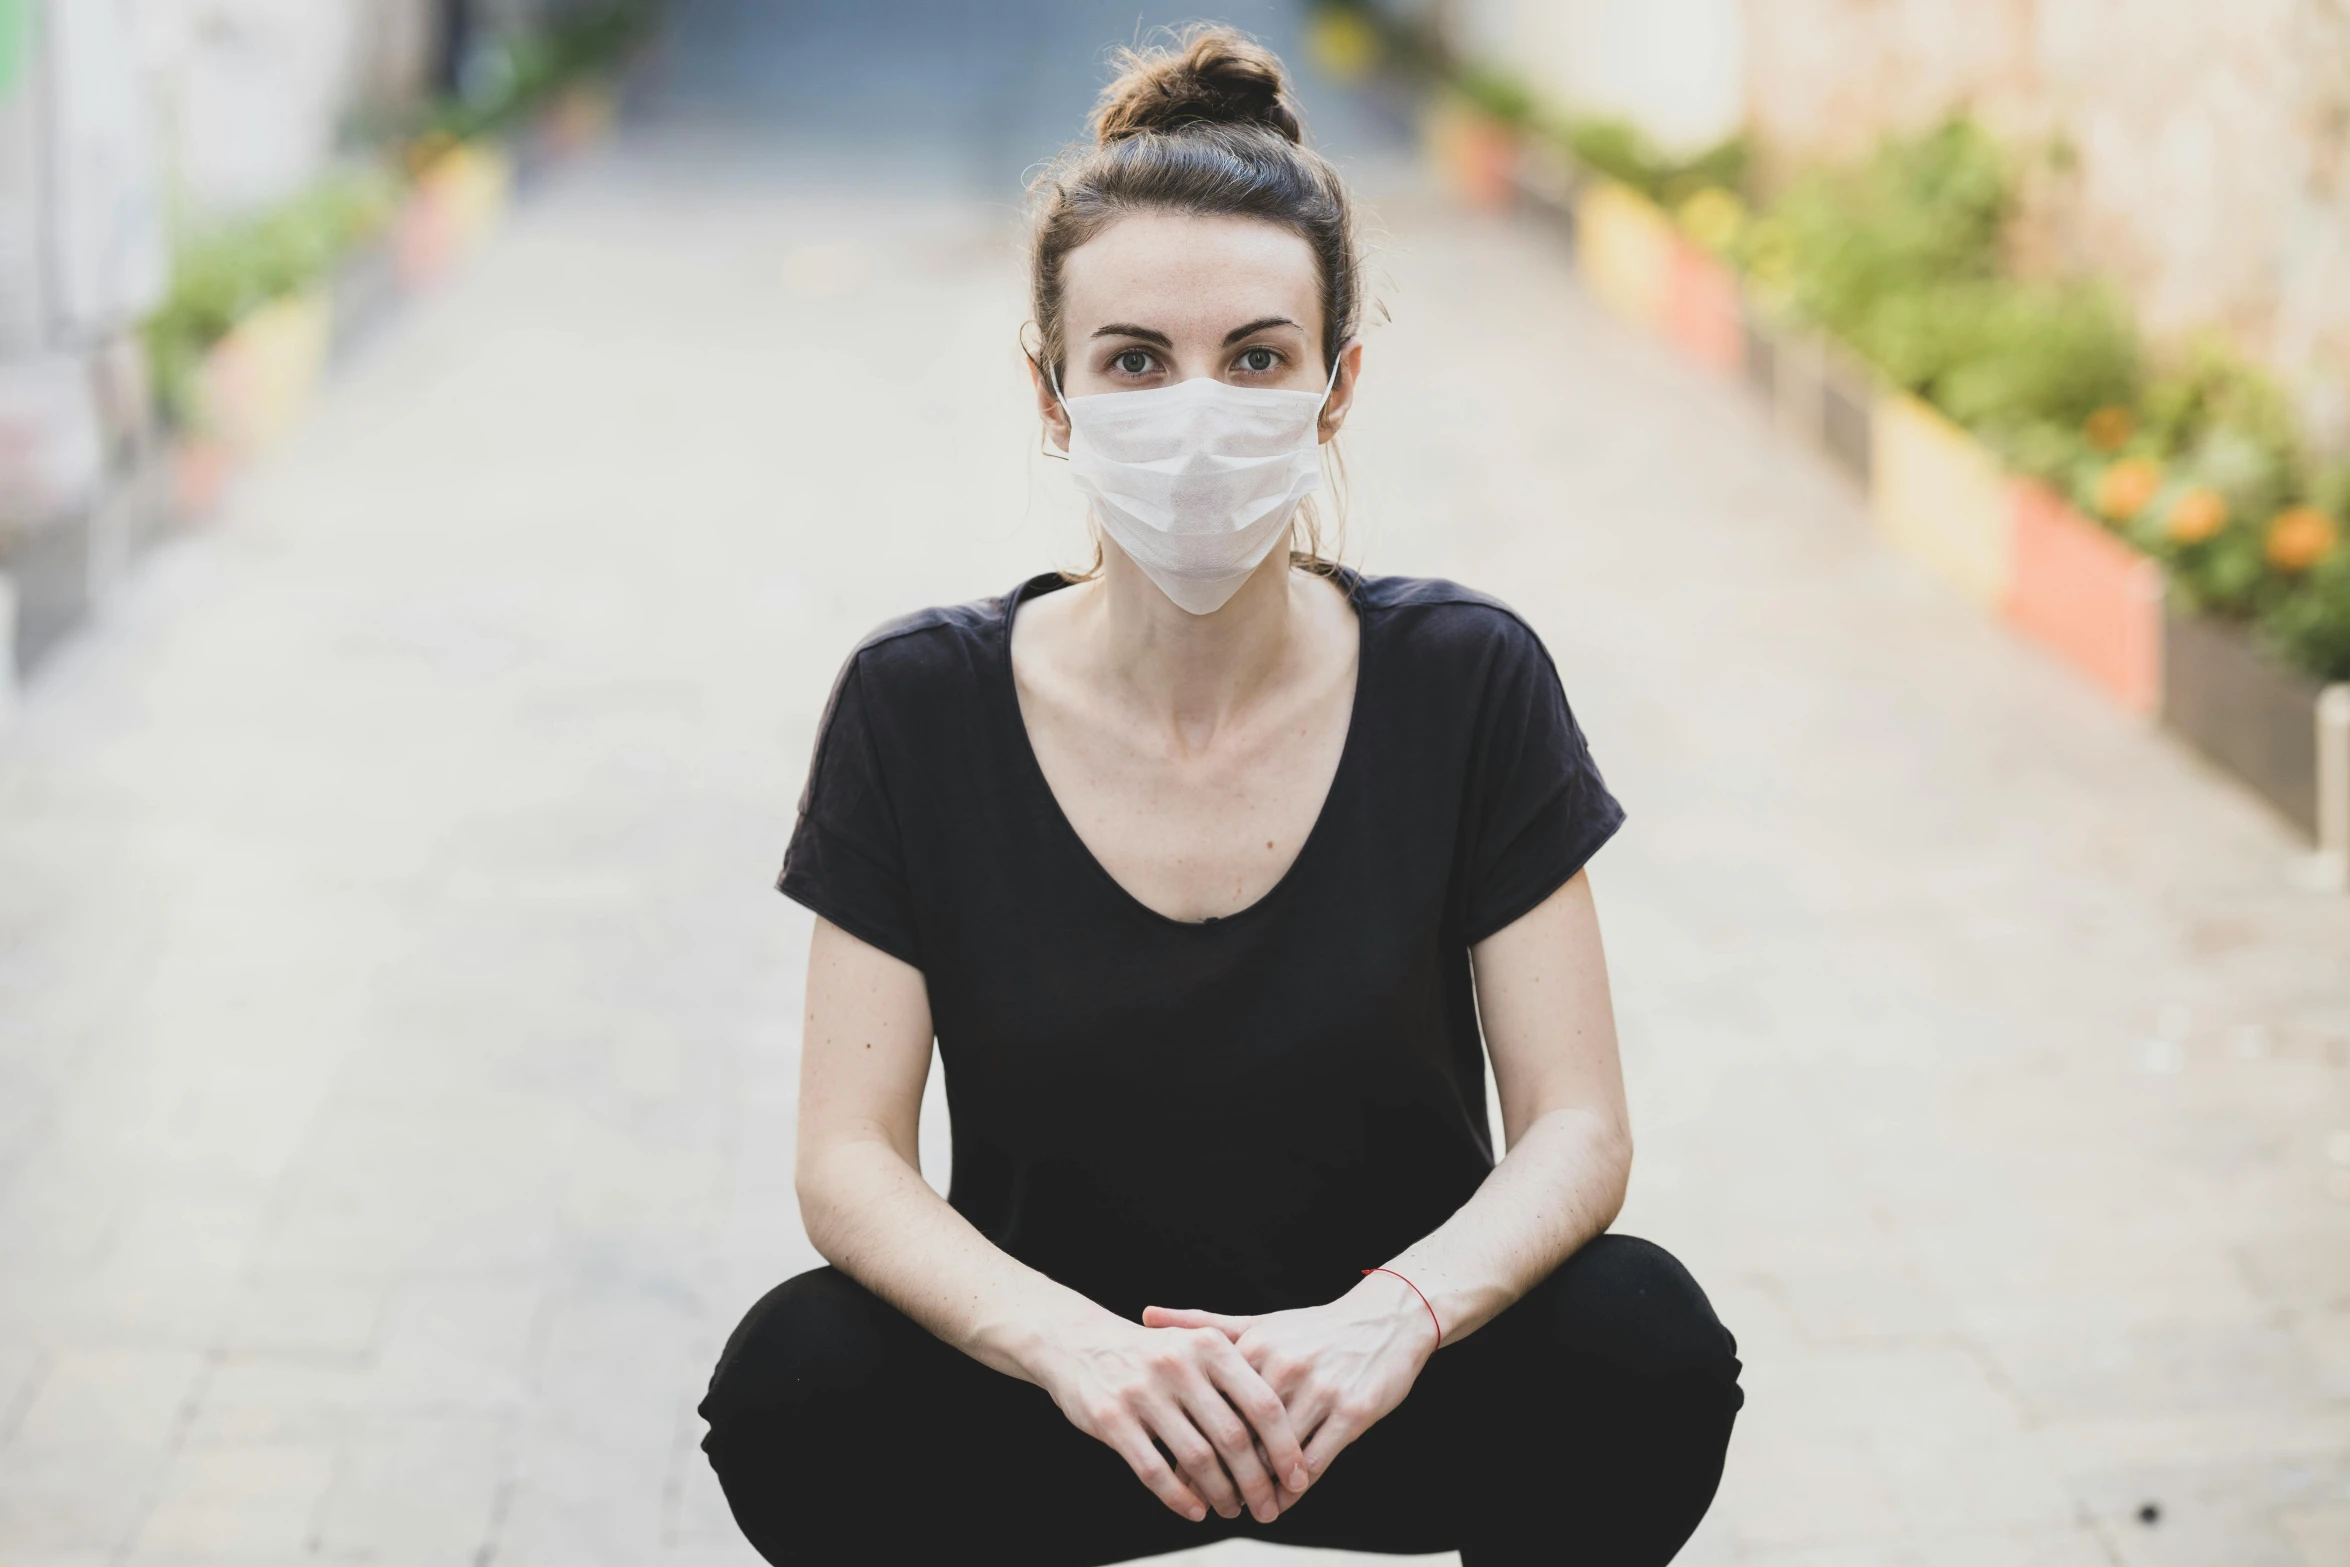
1194, 670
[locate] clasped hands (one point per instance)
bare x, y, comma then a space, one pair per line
1224, 1411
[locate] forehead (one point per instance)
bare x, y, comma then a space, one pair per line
1170, 270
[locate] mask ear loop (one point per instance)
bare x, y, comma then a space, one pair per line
1337, 363
1044, 442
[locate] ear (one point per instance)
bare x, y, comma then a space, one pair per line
1048, 407
1342, 390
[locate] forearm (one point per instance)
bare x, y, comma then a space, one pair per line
1562, 1184
870, 1214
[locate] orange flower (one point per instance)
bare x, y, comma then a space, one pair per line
2124, 489
2197, 515
2301, 537
2110, 427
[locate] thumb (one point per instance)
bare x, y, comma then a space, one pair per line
1167, 1317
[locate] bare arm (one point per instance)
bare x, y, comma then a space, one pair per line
864, 1055
1542, 995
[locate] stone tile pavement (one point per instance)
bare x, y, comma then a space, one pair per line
397, 1033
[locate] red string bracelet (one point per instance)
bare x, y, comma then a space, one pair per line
1415, 1289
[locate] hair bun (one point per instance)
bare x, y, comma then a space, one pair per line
1212, 76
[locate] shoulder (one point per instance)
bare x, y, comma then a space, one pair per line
927, 655
1442, 623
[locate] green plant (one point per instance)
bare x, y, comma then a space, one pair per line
1496, 93
2038, 356
1924, 212
222, 276
2309, 625
1620, 150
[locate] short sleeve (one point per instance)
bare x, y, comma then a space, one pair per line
846, 860
1538, 809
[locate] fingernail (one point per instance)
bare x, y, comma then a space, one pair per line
1297, 1478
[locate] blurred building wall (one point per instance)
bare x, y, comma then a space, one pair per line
84, 245
1674, 67
253, 94
2199, 151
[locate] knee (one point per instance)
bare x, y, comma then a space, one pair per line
817, 1335
1630, 1306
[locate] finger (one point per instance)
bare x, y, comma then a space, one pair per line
1134, 1444
1333, 1437
1170, 1317
1194, 1455
1284, 1498
1235, 1444
1268, 1419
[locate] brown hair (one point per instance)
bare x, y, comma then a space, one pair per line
1207, 127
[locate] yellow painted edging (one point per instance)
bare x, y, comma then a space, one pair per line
471, 184
259, 378
1941, 496
1625, 245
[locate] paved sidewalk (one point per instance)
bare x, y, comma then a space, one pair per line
397, 1033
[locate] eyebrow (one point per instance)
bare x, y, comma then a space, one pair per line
1152, 335
1121, 329
1254, 327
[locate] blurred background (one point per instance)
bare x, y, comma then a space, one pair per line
448, 446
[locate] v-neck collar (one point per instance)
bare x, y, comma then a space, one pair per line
1032, 768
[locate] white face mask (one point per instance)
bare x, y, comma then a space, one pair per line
1197, 481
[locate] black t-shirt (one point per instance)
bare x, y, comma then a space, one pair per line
1238, 1114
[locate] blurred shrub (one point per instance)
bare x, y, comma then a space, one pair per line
226, 274
1496, 93
2309, 625
1903, 259
1925, 211
1619, 149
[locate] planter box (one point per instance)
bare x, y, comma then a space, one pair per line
2259, 721
1550, 185
363, 296
1625, 246
1759, 350
575, 121
2087, 597
9, 674
258, 379
48, 567
2333, 786
424, 239
1799, 378
455, 202
1475, 154
133, 512
198, 474
61, 569
1703, 314
1848, 415
1940, 495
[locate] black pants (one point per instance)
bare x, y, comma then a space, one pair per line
1585, 1424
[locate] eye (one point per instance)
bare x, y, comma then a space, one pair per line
1133, 362
1259, 361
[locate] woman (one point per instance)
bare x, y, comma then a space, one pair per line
1204, 869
